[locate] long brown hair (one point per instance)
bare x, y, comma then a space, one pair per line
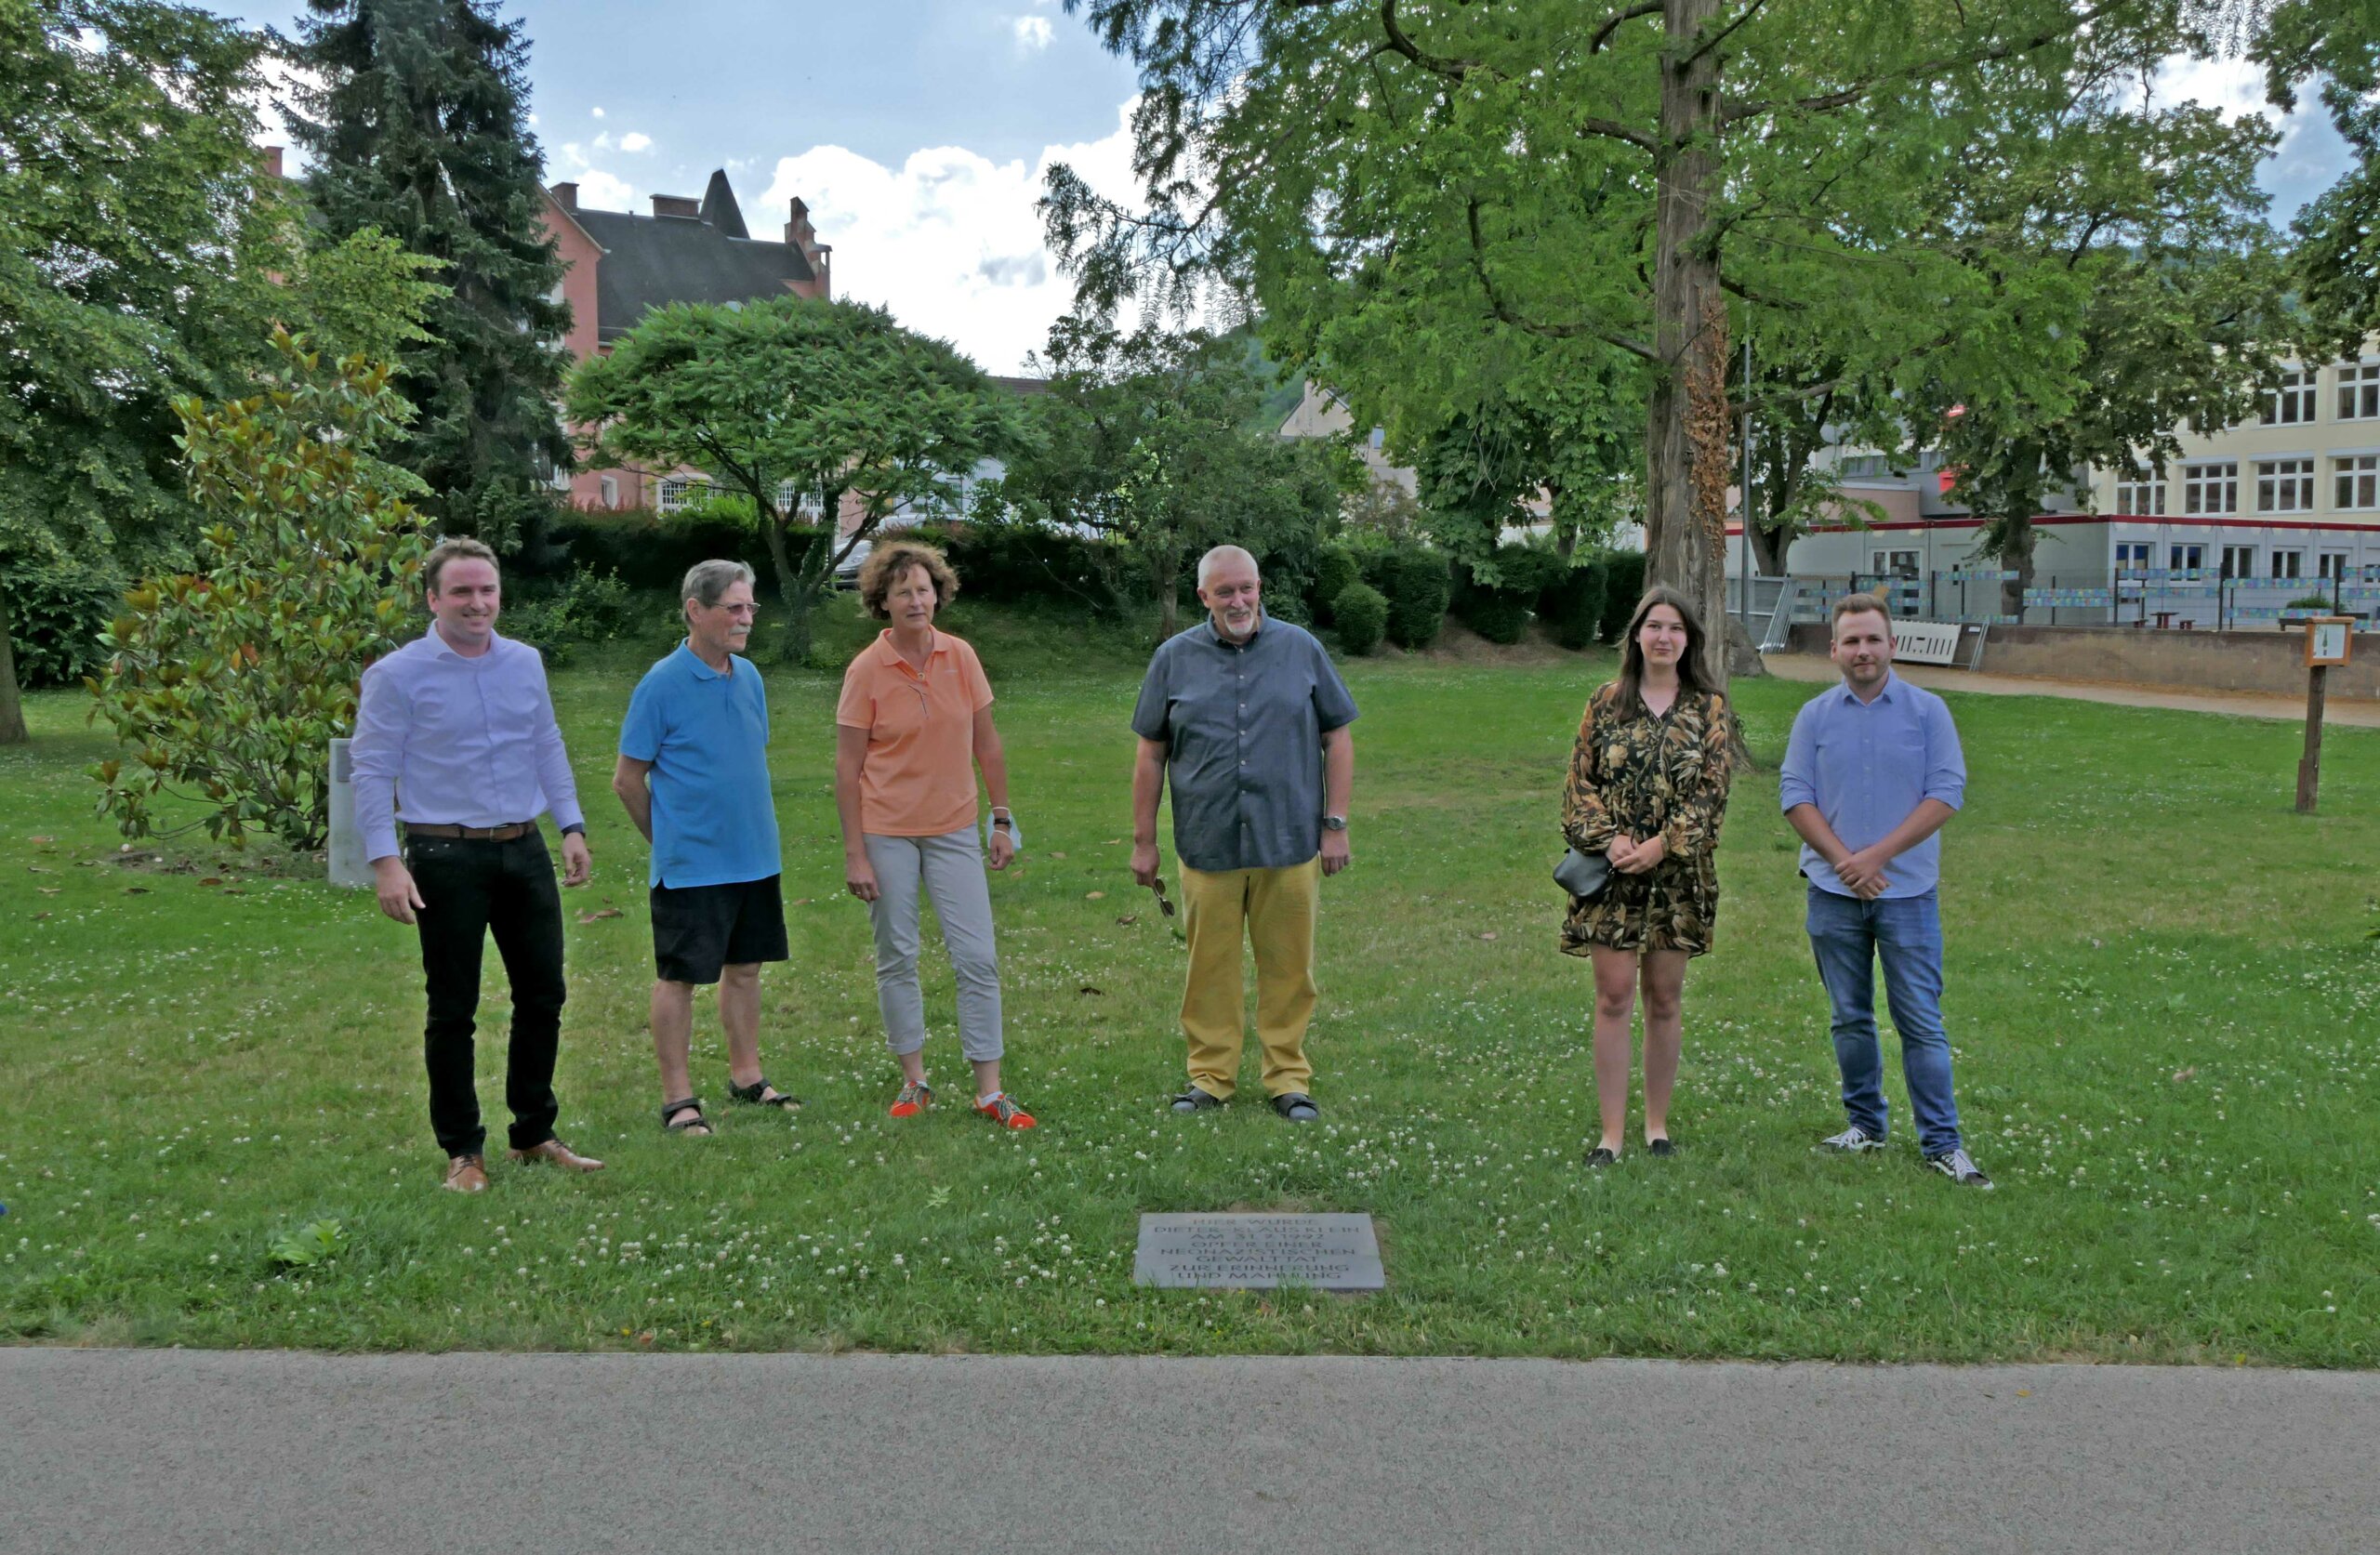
1626, 690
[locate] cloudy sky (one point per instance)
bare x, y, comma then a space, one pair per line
917, 131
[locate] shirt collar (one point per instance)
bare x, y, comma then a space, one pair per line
1884, 694
439, 648
1222, 641
700, 670
890, 656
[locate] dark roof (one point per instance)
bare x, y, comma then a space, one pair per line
1019, 385
651, 260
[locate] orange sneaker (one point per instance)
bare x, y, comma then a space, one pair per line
914, 1097
1001, 1109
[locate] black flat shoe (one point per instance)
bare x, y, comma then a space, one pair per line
1602, 1157
1661, 1147
1196, 1099
1297, 1106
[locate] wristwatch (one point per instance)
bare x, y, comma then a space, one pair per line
1334, 822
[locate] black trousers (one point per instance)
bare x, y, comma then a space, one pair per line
472, 888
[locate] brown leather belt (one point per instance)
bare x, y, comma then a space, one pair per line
472, 834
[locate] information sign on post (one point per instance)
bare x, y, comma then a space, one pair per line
2329, 640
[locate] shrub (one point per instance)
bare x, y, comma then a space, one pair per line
2311, 601
1572, 607
1290, 606
1497, 615
1013, 561
1334, 570
1499, 612
1362, 613
58, 610
1623, 586
1417, 585
593, 607
229, 684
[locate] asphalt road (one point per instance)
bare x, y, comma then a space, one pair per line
130, 1452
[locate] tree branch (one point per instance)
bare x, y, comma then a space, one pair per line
1453, 69
1611, 23
1611, 130
1827, 102
1555, 332
1715, 39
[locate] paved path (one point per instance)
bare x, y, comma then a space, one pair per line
132, 1452
2354, 712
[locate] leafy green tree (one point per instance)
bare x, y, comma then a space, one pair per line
1152, 439
143, 254
228, 684
417, 126
1650, 177
2333, 46
796, 404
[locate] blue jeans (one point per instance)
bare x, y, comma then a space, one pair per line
1849, 936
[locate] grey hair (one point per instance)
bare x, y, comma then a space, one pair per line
1222, 554
706, 581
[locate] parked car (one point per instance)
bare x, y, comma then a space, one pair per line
847, 570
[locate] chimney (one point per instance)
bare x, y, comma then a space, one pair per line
565, 195
272, 162
678, 204
798, 232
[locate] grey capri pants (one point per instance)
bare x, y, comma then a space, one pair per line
949, 868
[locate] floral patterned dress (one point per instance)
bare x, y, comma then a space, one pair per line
1635, 772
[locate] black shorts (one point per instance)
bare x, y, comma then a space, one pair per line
697, 930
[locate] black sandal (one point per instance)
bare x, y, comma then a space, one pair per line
1664, 1146
689, 1124
757, 1094
1599, 1157
1297, 1106
1196, 1099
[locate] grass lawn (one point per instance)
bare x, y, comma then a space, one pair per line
2165, 995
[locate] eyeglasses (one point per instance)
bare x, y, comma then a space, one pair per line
1163, 905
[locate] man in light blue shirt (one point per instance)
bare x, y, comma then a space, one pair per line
1873, 771
693, 775
454, 736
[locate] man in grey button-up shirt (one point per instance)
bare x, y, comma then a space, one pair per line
1248, 720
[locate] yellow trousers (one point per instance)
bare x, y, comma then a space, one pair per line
1275, 909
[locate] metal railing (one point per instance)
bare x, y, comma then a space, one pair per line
2156, 599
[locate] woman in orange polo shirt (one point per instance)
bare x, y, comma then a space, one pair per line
914, 723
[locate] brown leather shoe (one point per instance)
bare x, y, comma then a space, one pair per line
467, 1174
555, 1152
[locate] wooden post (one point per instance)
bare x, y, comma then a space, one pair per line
2309, 767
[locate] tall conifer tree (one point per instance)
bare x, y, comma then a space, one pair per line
418, 125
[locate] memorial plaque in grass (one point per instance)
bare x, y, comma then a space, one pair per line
1258, 1252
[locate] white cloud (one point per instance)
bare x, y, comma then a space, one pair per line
597, 189
1032, 33
948, 241
597, 112
636, 140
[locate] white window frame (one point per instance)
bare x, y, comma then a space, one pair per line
2333, 567
2288, 563
2141, 498
2285, 485
608, 486
2212, 487
2186, 556
2135, 555
672, 491
2356, 481
2239, 561
2359, 391
2292, 402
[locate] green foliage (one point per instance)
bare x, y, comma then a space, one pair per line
56, 613
226, 685
415, 119
1497, 615
1572, 606
1361, 613
1026, 561
2313, 602
1334, 570
1623, 586
592, 607
310, 1246
2333, 46
1418, 585
799, 396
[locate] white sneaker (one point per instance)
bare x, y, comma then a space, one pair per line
1851, 1141
1960, 1168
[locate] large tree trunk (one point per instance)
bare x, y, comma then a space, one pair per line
795, 587
1685, 528
12, 706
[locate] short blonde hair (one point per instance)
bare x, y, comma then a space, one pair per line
1859, 604
461, 547
885, 566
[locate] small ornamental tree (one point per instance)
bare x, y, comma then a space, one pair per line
226, 685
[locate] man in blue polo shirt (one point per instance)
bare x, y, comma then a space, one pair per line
693, 774
1873, 771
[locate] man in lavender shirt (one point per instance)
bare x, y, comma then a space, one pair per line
1873, 771
455, 737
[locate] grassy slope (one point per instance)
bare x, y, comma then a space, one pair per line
2162, 993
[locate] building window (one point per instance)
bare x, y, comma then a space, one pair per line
2213, 488
2359, 391
2335, 566
2140, 496
1864, 466
2239, 561
2292, 402
2132, 556
1894, 564
2188, 559
2358, 480
679, 490
2288, 564
2284, 486
610, 485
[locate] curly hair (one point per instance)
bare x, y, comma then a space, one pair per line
890, 561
